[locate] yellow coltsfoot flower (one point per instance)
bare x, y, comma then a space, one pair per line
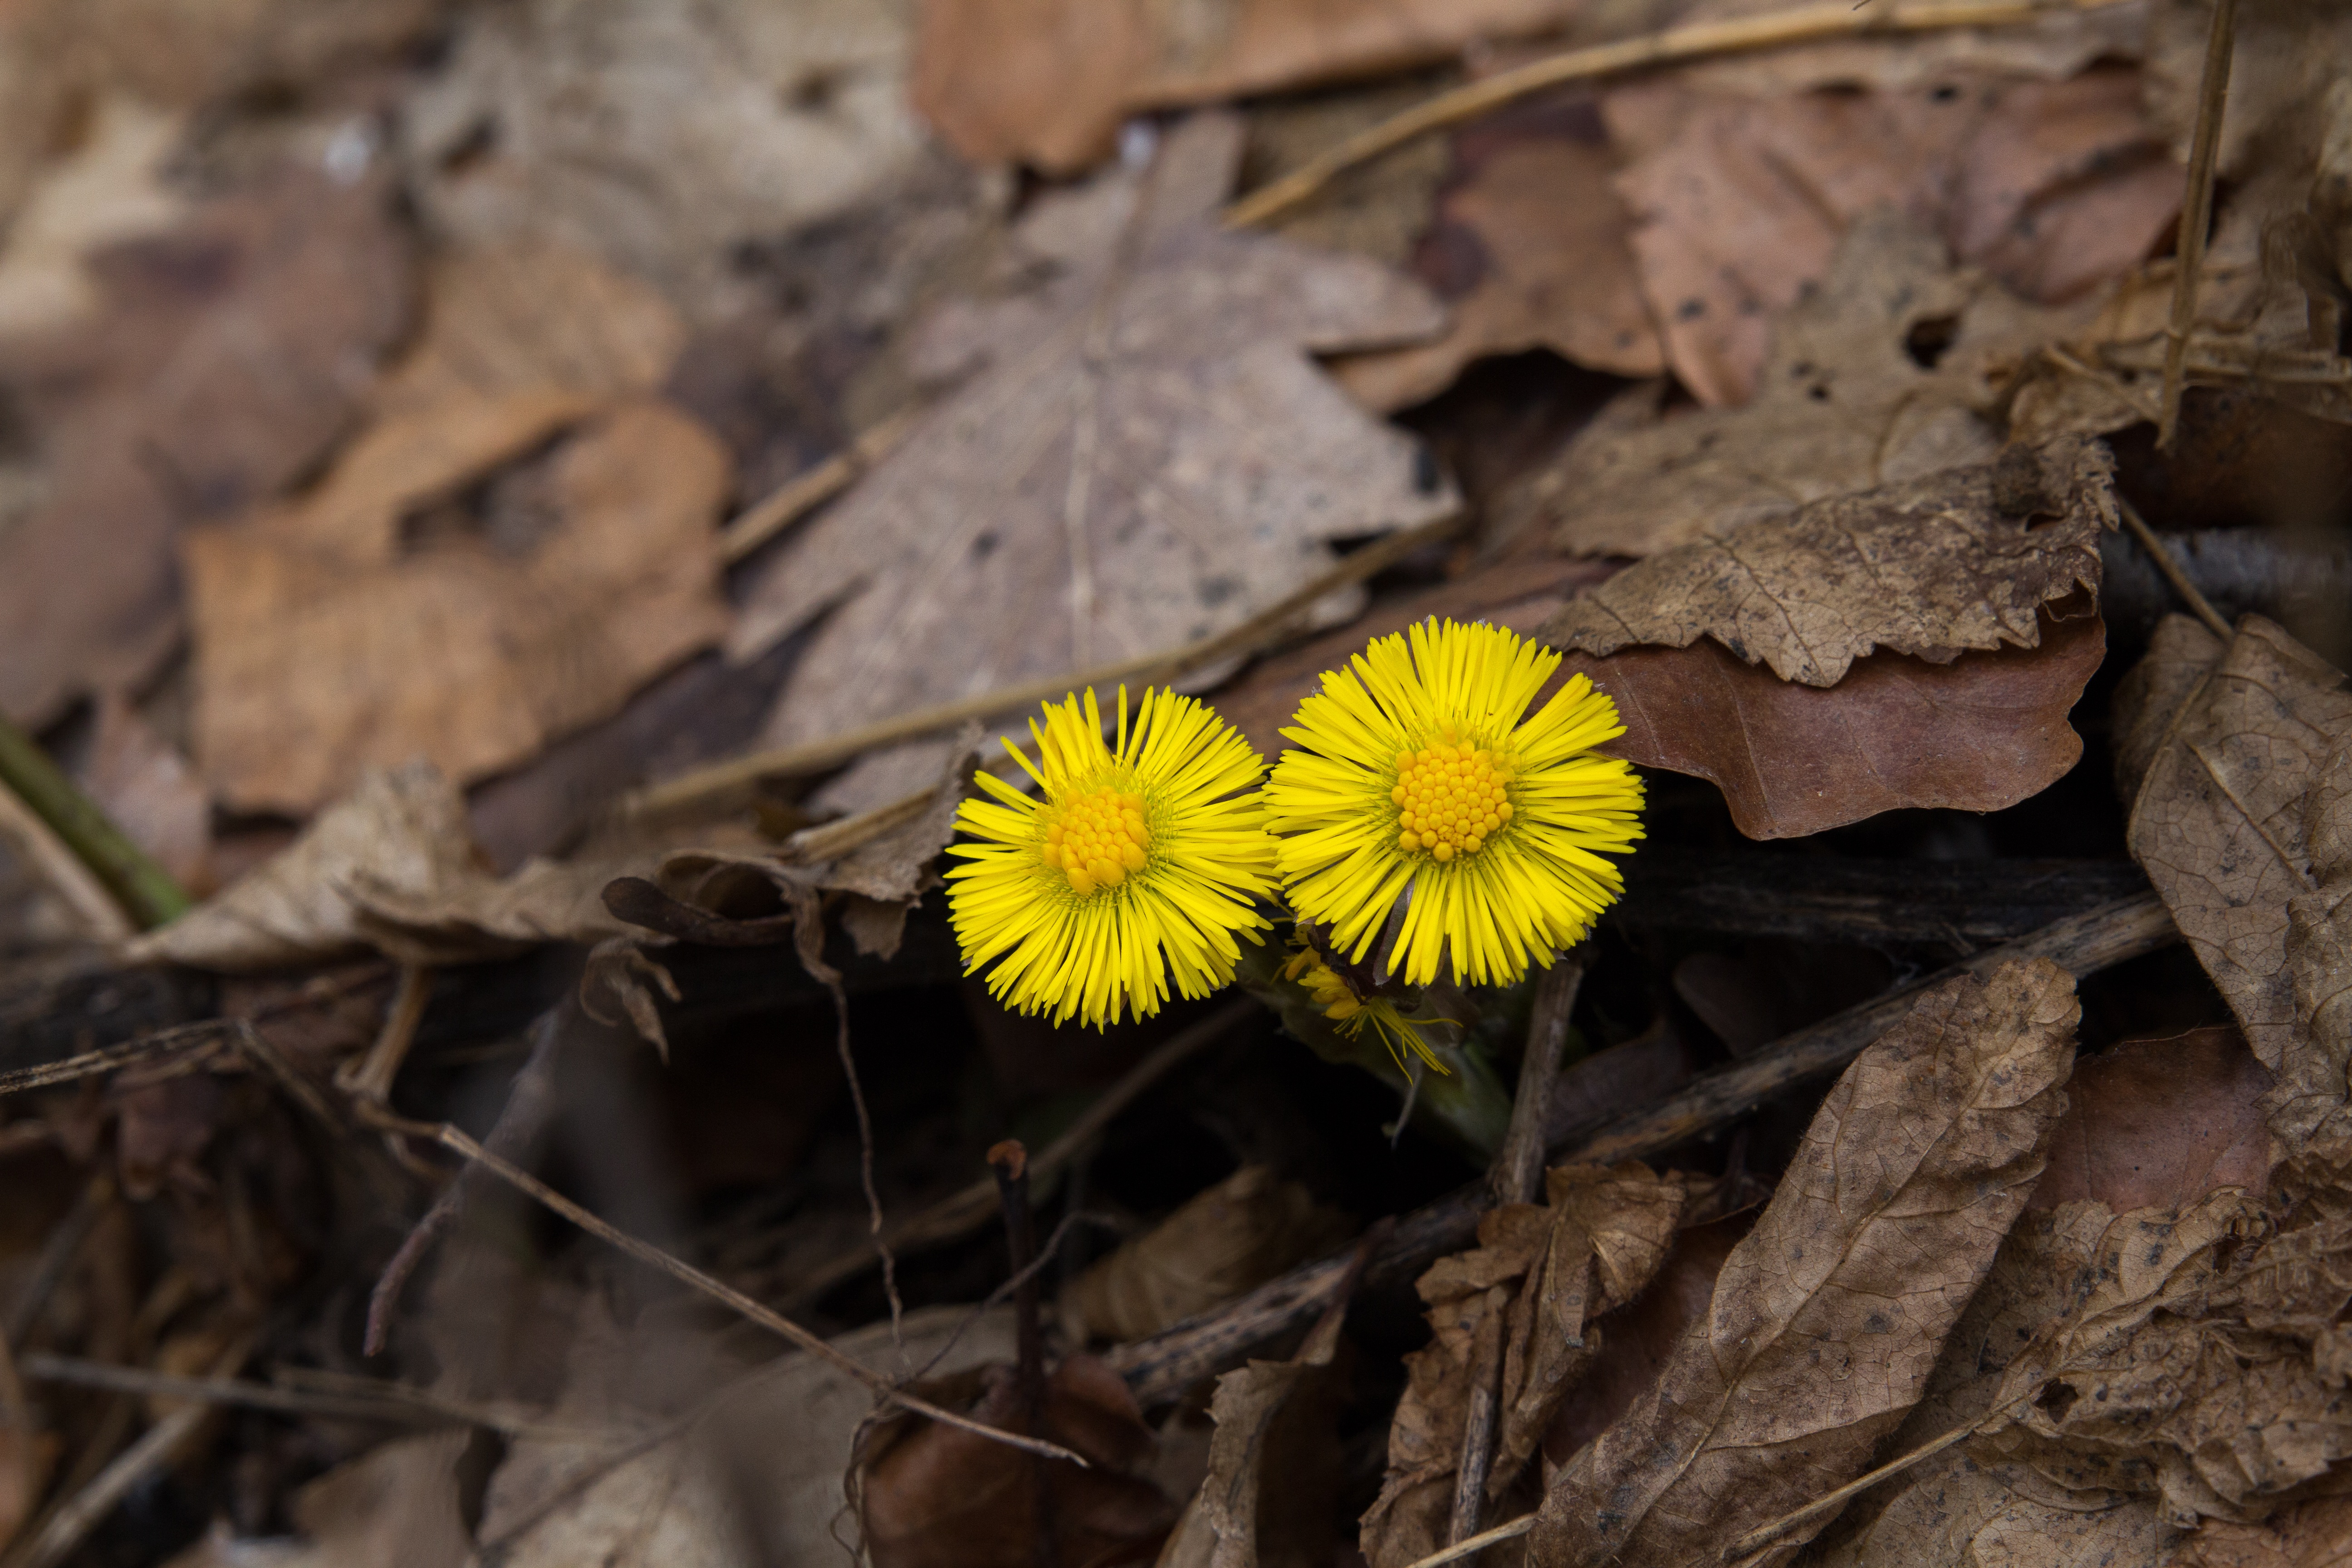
1135, 864
1351, 1013
1421, 782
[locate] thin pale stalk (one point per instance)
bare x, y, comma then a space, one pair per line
2197, 211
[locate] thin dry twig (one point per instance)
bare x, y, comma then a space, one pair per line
705, 787
50, 859
106, 1058
804, 492
1774, 30
2197, 211
137, 889
968, 1210
1517, 1178
411, 1406
2198, 604
1478, 1542
370, 1077
480, 1158
1765, 1534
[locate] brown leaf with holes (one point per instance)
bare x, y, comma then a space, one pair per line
2219, 823
230, 351
1048, 81
1932, 567
2052, 187
470, 644
1828, 1318
1979, 733
1148, 457
1228, 1239
1890, 371
939, 1496
1524, 1302
1529, 250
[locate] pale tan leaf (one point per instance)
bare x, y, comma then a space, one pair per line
1933, 567
1148, 458
1954, 1512
108, 189
1227, 1240
1844, 405
471, 651
1827, 1320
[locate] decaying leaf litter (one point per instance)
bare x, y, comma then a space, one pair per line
509, 513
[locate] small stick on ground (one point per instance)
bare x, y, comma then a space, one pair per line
2199, 605
2197, 212
1517, 1178
394, 1403
1806, 24
807, 490
371, 1077
1009, 1163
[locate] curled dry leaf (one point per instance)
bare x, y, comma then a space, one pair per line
230, 354
1827, 1320
472, 645
1048, 81
939, 1496
1529, 250
1148, 457
1525, 1300
2051, 187
662, 137
1849, 401
1979, 733
1226, 1241
1932, 567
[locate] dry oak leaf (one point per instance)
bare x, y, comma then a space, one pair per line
2219, 824
1047, 82
1979, 733
230, 351
1931, 567
1529, 250
1848, 401
939, 1496
1148, 458
1524, 1301
1738, 203
1828, 1318
472, 651
1226, 1241
663, 137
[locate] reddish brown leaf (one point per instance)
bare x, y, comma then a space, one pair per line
1979, 733
2160, 1123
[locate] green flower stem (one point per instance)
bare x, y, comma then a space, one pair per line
145, 889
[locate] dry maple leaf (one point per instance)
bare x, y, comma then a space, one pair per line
1846, 403
1828, 1318
662, 136
1979, 733
2051, 187
1048, 81
1148, 457
1529, 250
472, 648
1933, 566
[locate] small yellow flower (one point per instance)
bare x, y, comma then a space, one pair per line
1351, 1013
1419, 784
1134, 862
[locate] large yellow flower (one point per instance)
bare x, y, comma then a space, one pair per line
1134, 862
1418, 784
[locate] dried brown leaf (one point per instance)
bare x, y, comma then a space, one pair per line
2313, 1534
2050, 186
1227, 1240
1148, 457
230, 354
1048, 81
1827, 1320
2219, 821
1979, 733
1844, 405
939, 1496
1529, 250
2179, 654
1380, 209
1956, 1512
1525, 1300
663, 137
1932, 567
471, 651
2160, 1123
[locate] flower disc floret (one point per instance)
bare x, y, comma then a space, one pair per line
1423, 799
1136, 864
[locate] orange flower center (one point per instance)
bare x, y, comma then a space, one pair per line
1450, 799
1096, 838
